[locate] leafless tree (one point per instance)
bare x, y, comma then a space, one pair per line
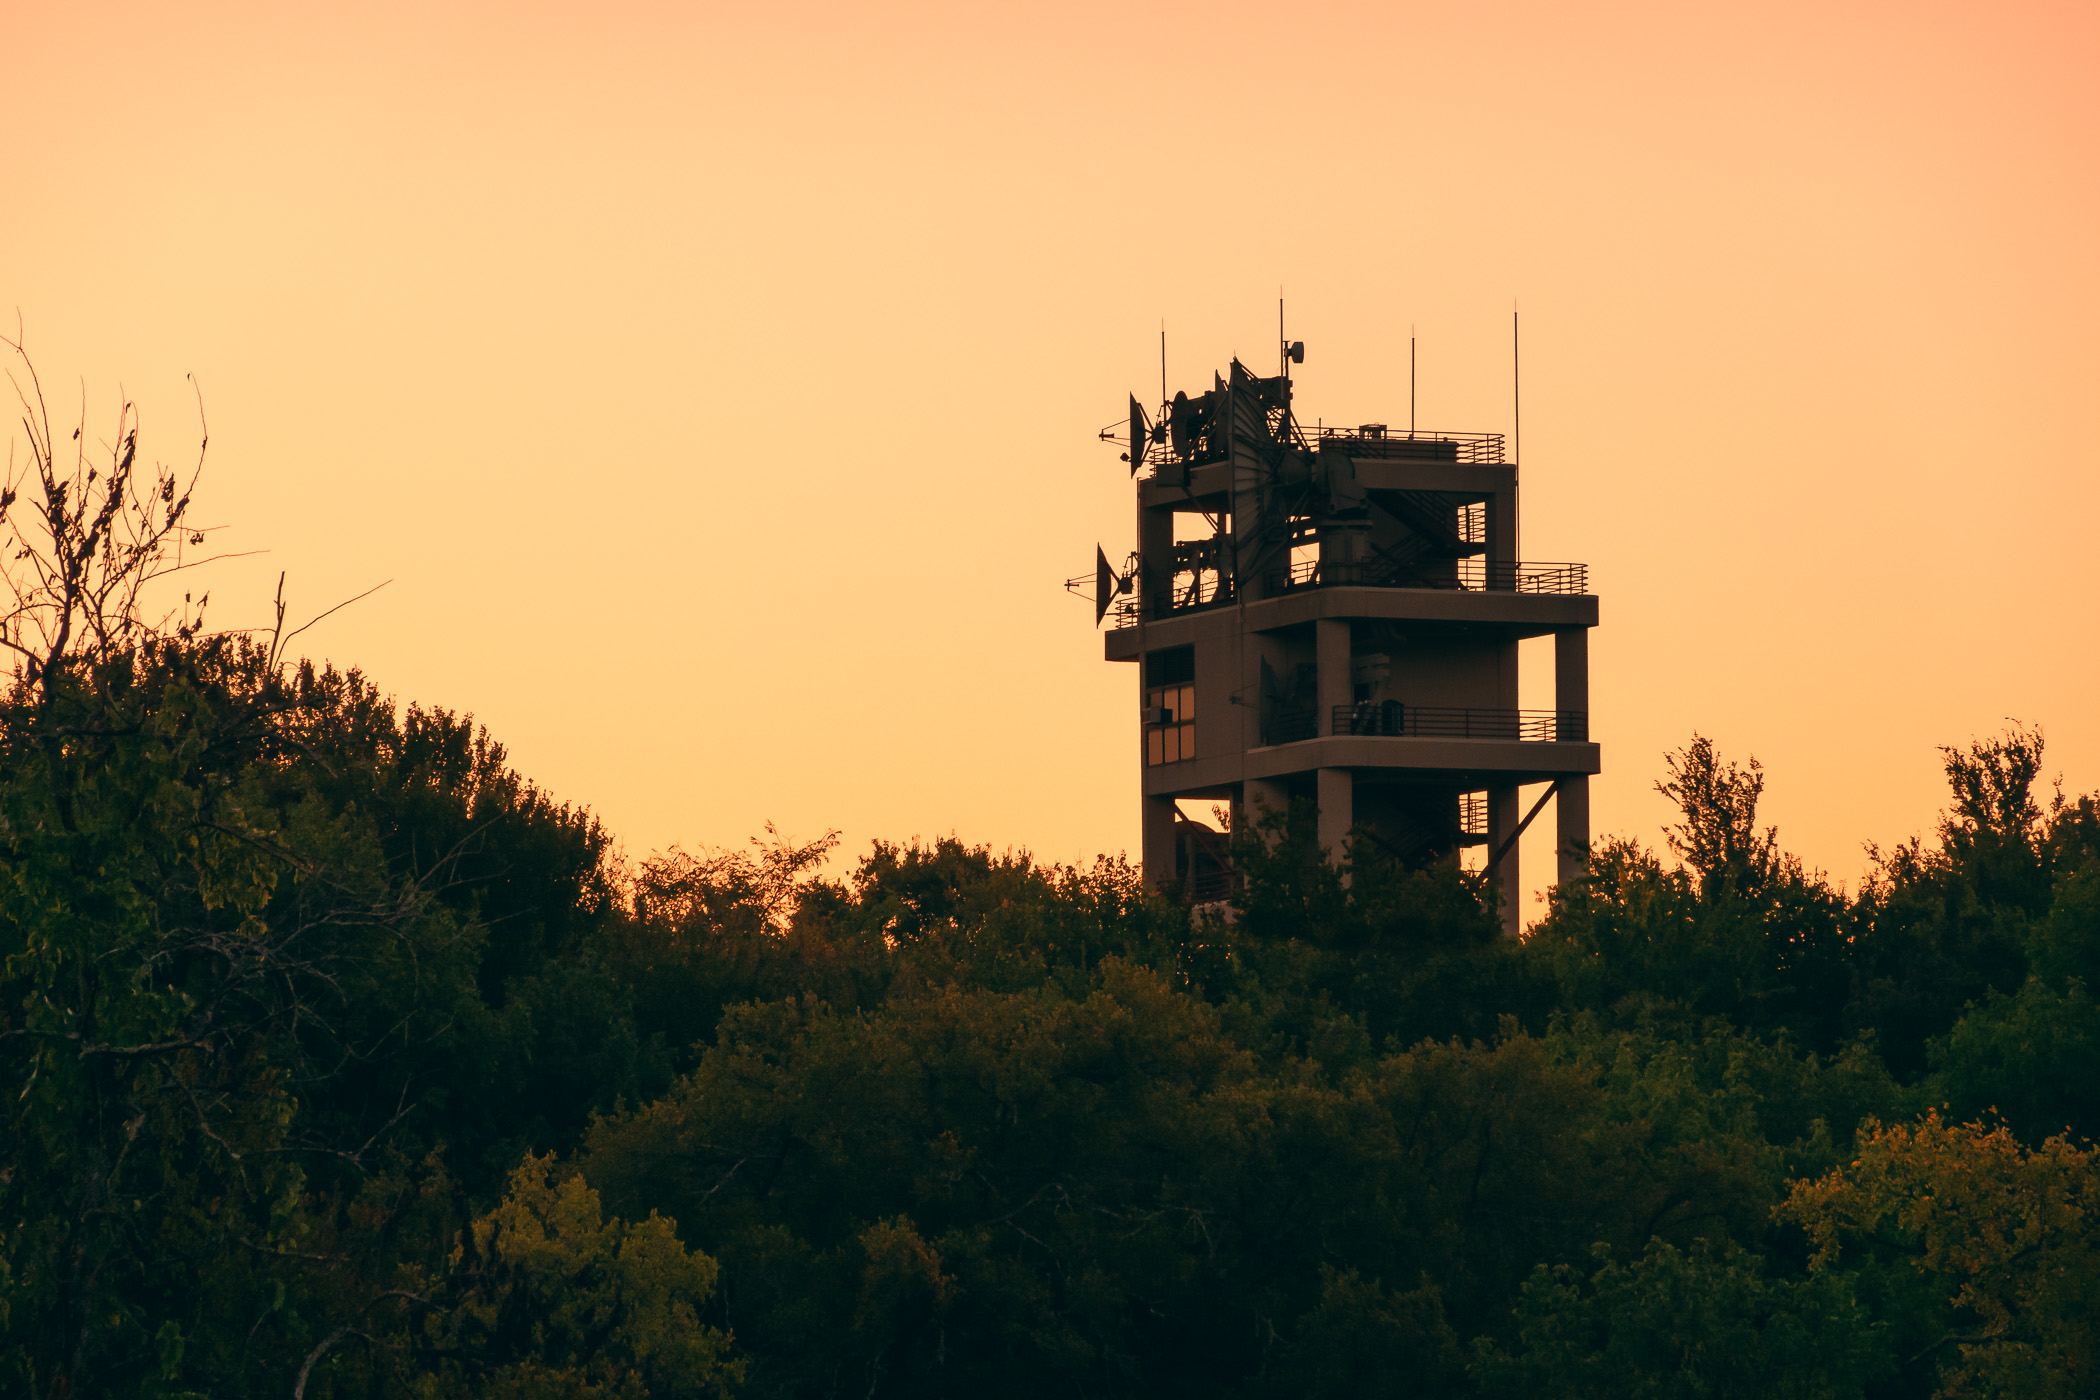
85, 537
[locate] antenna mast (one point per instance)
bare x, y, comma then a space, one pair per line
1410, 381
1516, 385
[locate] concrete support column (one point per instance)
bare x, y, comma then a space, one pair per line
1502, 538
1571, 817
1331, 655
1258, 795
1155, 542
1507, 692
1571, 698
1571, 676
1255, 648
1158, 838
1503, 817
1337, 812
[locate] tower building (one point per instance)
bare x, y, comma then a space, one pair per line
1333, 614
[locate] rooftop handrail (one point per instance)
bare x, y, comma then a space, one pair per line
1375, 440
1378, 439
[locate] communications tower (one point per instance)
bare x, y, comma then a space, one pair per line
1333, 614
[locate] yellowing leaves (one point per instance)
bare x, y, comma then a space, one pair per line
558, 1300
2007, 1233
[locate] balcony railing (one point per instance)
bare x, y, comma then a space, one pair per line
1377, 440
1368, 440
1289, 724
1455, 575
1395, 720
1474, 575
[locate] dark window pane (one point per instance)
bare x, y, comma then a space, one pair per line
1170, 666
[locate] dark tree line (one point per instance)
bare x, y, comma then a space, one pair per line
339, 1060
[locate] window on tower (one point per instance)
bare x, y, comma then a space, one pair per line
1170, 705
1170, 723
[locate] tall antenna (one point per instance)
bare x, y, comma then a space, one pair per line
1162, 368
1516, 384
1289, 353
1410, 380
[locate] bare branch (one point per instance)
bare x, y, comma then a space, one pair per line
336, 609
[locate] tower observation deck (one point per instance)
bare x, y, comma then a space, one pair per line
1333, 615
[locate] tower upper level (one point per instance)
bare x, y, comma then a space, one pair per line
1238, 502
1333, 614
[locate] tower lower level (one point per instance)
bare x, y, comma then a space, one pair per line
1334, 615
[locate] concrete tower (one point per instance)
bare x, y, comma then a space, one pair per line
1333, 614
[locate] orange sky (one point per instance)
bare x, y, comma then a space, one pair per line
718, 387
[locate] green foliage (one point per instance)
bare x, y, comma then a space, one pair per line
1947, 926
550, 1299
1369, 954
2032, 1058
1717, 836
166, 951
1093, 1186
1362, 1338
1675, 1323
237, 981
340, 1061
1760, 942
2004, 1240
295, 979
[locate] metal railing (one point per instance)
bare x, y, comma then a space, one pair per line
1207, 589
1372, 440
1473, 814
1204, 587
1395, 720
1378, 440
1290, 723
1473, 575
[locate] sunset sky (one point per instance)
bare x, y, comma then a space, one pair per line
718, 387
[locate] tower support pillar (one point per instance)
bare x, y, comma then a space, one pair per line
1571, 698
1337, 812
1571, 817
1259, 796
1331, 657
1503, 817
1160, 863
1571, 675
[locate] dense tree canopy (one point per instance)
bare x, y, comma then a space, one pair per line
340, 1061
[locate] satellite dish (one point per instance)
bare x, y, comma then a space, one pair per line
1140, 430
1104, 585
1296, 351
